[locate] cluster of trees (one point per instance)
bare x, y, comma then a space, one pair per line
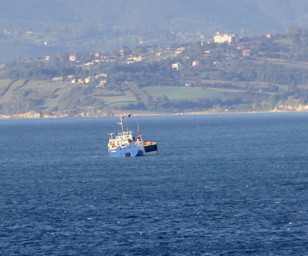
164, 104
41, 70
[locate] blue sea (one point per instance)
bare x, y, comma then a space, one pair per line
233, 184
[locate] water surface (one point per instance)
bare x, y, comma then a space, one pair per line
220, 185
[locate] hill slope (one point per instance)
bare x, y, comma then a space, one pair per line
33, 28
172, 14
252, 74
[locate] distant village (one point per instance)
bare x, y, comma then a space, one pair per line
102, 79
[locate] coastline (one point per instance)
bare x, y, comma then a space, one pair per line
36, 115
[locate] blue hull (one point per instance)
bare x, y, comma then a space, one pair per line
129, 151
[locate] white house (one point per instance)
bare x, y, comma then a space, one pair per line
72, 57
195, 63
222, 38
176, 66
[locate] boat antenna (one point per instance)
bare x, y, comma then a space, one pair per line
139, 132
126, 125
121, 123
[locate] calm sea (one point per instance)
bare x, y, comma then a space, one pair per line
220, 185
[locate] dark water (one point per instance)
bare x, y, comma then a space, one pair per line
220, 185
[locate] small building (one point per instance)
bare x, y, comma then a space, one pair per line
179, 50
102, 82
87, 80
89, 63
57, 79
134, 59
47, 58
246, 52
72, 57
224, 38
176, 66
138, 59
195, 63
101, 75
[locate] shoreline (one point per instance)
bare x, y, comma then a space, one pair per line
34, 115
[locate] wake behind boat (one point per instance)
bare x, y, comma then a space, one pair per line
125, 144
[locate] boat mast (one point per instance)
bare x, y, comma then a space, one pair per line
121, 123
139, 132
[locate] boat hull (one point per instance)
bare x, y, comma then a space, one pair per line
148, 150
128, 151
151, 149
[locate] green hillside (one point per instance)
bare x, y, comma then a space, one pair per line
266, 73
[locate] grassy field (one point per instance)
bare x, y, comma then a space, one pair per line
125, 98
182, 93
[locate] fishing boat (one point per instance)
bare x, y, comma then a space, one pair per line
125, 144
